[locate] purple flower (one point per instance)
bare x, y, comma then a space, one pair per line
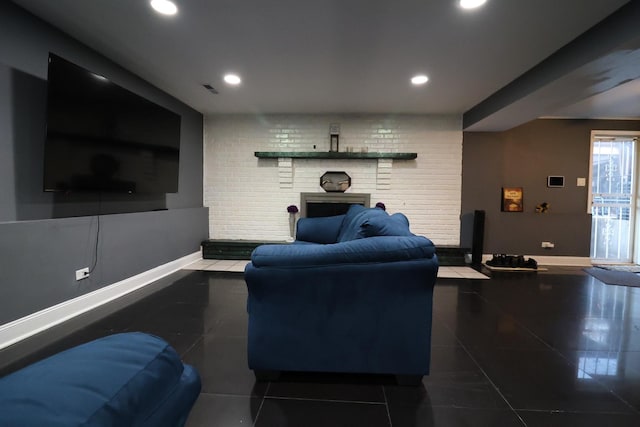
292, 209
381, 205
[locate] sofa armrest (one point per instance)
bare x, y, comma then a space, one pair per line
120, 380
370, 250
320, 229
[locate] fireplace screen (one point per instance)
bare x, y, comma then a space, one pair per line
328, 204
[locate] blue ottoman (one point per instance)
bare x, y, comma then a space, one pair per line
130, 379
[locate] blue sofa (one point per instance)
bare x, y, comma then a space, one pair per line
130, 379
353, 294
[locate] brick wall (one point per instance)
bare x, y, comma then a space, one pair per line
247, 197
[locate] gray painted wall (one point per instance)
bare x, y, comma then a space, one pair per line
40, 246
25, 42
524, 157
38, 259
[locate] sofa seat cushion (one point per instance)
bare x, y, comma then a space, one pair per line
128, 379
371, 250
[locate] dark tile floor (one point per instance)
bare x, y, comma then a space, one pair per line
555, 348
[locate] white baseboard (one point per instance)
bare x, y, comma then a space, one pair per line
20, 329
565, 261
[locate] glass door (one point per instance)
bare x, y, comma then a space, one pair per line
612, 194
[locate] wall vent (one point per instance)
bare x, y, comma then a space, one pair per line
211, 89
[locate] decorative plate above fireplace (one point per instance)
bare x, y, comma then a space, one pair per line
335, 182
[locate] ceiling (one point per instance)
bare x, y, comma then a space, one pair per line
353, 56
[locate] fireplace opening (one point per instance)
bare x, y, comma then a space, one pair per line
326, 209
329, 204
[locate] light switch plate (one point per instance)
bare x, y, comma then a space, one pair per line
581, 182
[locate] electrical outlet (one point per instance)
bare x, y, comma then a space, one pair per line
548, 245
83, 273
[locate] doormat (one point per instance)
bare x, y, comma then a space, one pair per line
631, 268
611, 277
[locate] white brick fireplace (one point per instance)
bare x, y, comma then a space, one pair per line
248, 197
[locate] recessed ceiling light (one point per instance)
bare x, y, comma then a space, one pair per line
419, 79
232, 79
164, 7
471, 4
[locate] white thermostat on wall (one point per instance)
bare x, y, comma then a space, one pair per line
555, 181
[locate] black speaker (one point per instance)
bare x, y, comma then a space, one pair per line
477, 242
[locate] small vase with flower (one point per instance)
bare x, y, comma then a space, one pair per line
293, 212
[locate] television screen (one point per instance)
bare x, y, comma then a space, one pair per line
104, 138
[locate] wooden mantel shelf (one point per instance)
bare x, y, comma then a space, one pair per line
332, 155
285, 160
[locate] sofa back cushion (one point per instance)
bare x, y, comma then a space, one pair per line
389, 225
360, 222
355, 217
319, 229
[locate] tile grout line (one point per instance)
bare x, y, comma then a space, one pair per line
264, 396
386, 404
485, 374
309, 399
556, 351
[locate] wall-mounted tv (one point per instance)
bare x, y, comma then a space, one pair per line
102, 137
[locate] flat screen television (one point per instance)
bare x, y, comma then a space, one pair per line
102, 137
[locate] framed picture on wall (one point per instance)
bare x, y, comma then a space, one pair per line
512, 199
